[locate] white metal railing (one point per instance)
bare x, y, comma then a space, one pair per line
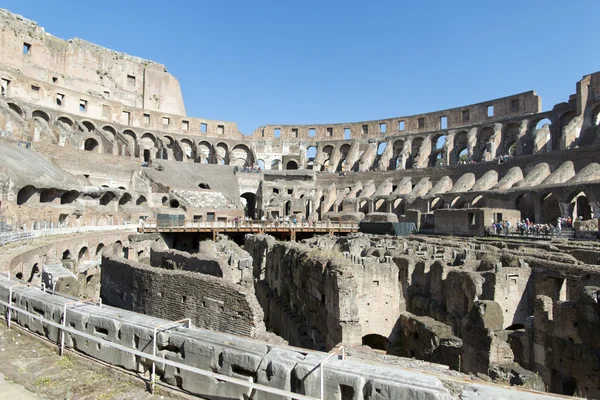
10, 237
152, 357
254, 224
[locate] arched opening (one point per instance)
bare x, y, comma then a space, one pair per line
69, 197
309, 208
437, 159
260, 164
376, 341
438, 142
19, 275
174, 203
146, 155
48, 196
99, 249
16, 109
91, 145
291, 165
107, 198
397, 162
342, 165
126, 198
287, 207
38, 114
579, 206
82, 253
311, 153
275, 164
483, 148
250, 205
478, 201
542, 122
509, 140
436, 204
110, 132
187, 147
89, 126
222, 154
204, 151
204, 186
381, 148
526, 206
141, 200
66, 121
242, 155
164, 201
550, 209
564, 120
67, 255
458, 202
460, 148
25, 194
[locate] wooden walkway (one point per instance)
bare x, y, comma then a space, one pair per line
259, 227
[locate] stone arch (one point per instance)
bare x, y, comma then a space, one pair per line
83, 253
458, 202
510, 133
131, 139
106, 198
99, 249
311, 153
25, 194
525, 204
66, 255
376, 341
275, 164
550, 208
250, 207
436, 204
260, 164
69, 197
478, 202
126, 198
39, 114
396, 161
174, 203
205, 152
16, 109
91, 144
241, 155
222, 153
48, 195
483, 144
291, 165
65, 120
141, 200
460, 148
109, 131
148, 140
579, 205
438, 142
187, 148
89, 126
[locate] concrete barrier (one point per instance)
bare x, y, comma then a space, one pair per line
249, 360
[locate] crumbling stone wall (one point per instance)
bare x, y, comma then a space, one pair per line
319, 299
212, 303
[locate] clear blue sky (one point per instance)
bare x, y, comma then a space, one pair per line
304, 62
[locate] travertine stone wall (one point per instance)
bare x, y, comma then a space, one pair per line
211, 302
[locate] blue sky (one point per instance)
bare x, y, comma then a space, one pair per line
305, 62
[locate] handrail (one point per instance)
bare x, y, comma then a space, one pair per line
153, 224
156, 359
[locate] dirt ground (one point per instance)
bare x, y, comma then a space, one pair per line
35, 365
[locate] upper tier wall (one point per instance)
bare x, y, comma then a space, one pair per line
86, 67
486, 112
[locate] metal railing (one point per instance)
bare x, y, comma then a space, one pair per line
251, 224
10, 237
64, 328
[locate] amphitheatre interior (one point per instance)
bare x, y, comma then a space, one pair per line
96, 146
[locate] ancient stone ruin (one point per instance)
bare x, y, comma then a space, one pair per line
96, 150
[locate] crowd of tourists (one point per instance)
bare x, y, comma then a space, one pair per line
249, 170
525, 227
276, 222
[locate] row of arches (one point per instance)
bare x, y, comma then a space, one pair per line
26, 193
